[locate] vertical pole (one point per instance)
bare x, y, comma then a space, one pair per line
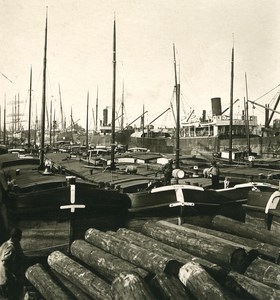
29, 115
87, 122
231, 106
113, 100
42, 146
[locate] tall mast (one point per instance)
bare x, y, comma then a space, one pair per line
177, 92
87, 122
42, 146
61, 110
247, 117
122, 107
51, 123
143, 125
96, 111
4, 134
29, 115
113, 101
231, 105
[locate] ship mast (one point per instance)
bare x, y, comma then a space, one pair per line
247, 117
231, 105
113, 101
177, 89
87, 122
29, 116
42, 146
96, 112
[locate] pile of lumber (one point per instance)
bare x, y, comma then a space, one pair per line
164, 261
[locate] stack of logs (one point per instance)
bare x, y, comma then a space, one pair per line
164, 261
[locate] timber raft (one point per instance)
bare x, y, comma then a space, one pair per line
162, 260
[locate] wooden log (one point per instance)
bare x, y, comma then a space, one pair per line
143, 258
266, 251
264, 271
131, 286
91, 284
200, 284
249, 288
226, 255
74, 290
182, 256
167, 286
245, 230
106, 264
44, 283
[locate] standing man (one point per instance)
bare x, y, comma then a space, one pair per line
11, 265
214, 174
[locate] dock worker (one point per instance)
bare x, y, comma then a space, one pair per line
11, 263
167, 171
214, 174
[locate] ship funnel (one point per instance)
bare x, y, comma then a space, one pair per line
216, 106
204, 115
105, 117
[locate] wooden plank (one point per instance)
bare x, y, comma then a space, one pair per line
91, 284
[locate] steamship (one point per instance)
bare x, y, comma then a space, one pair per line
204, 137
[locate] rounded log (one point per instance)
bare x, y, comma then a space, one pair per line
226, 255
167, 286
266, 250
44, 283
245, 230
139, 256
106, 264
131, 286
249, 288
265, 272
199, 282
182, 256
80, 276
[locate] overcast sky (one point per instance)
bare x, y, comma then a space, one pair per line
80, 53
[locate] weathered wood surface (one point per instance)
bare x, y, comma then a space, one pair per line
167, 287
216, 251
106, 264
264, 249
74, 290
182, 256
249, 288
245, 230
44, 283
131, 286
201, 285
91, 284
265, 272
139, 256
